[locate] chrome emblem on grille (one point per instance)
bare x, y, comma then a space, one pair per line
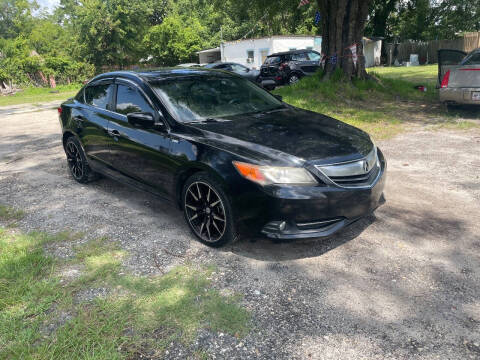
366, 166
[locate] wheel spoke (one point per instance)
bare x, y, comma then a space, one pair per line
208, 230
215, 203
199, 194
208, 195
218, 218
216, 227
191, 207
194, 217
191, 192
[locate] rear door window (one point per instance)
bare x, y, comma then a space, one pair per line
239, 68
300, 57
313, 56
98, 95
129, 100
272, 60
473, 60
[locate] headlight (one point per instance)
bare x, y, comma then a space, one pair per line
266, 175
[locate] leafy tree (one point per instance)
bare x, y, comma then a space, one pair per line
175, 41
381, 18
110, 32
16, 17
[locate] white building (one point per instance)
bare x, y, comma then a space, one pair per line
252, 52
372, 48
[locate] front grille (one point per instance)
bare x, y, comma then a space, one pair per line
358, 173
357, 180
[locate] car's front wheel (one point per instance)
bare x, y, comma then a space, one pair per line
207, 210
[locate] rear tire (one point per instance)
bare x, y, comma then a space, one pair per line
207, 210
293, 79
77, 161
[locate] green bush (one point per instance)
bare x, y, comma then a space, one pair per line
21, 65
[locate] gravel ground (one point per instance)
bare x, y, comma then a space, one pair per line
401, 284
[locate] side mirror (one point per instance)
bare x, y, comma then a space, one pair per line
144, 120
279, 97
248, 70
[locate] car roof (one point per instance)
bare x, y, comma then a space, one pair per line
208, 66
291, 52
160, 74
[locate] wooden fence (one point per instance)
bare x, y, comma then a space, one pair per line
427, 50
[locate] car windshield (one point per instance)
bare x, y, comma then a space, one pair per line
201, 97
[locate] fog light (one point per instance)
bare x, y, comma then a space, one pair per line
275, 226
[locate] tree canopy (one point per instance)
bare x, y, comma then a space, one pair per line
89, 36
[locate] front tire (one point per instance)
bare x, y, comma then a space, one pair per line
77, 161
207, 210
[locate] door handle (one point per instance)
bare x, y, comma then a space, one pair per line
79, 118
114, 132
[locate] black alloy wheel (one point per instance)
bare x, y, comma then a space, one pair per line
294, 78
77, 162
207, 210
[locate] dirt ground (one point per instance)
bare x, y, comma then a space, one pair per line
403, 283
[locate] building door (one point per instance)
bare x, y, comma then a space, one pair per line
263, 55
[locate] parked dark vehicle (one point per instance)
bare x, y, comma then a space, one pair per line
232, 156
288, 67
238, 69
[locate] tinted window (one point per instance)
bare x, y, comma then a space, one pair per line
129, 100
239, 68
98, 95
222, 66
199, 97
473, 60
313, 56
300, 57
272, 60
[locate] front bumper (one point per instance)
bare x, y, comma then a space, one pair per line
296, 212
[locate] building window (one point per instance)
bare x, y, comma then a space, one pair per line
291, 49
250, 56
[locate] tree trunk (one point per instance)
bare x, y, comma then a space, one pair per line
342, 26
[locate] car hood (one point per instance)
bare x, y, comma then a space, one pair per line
287, 135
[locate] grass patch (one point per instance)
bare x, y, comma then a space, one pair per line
381, 106
140, 315
413, 74
8, 213
32, 95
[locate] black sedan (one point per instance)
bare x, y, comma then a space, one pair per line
239, 69
233, 157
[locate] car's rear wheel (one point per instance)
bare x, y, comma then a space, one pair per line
77, 162
207, 210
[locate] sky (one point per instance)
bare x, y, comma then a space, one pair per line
48, 4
